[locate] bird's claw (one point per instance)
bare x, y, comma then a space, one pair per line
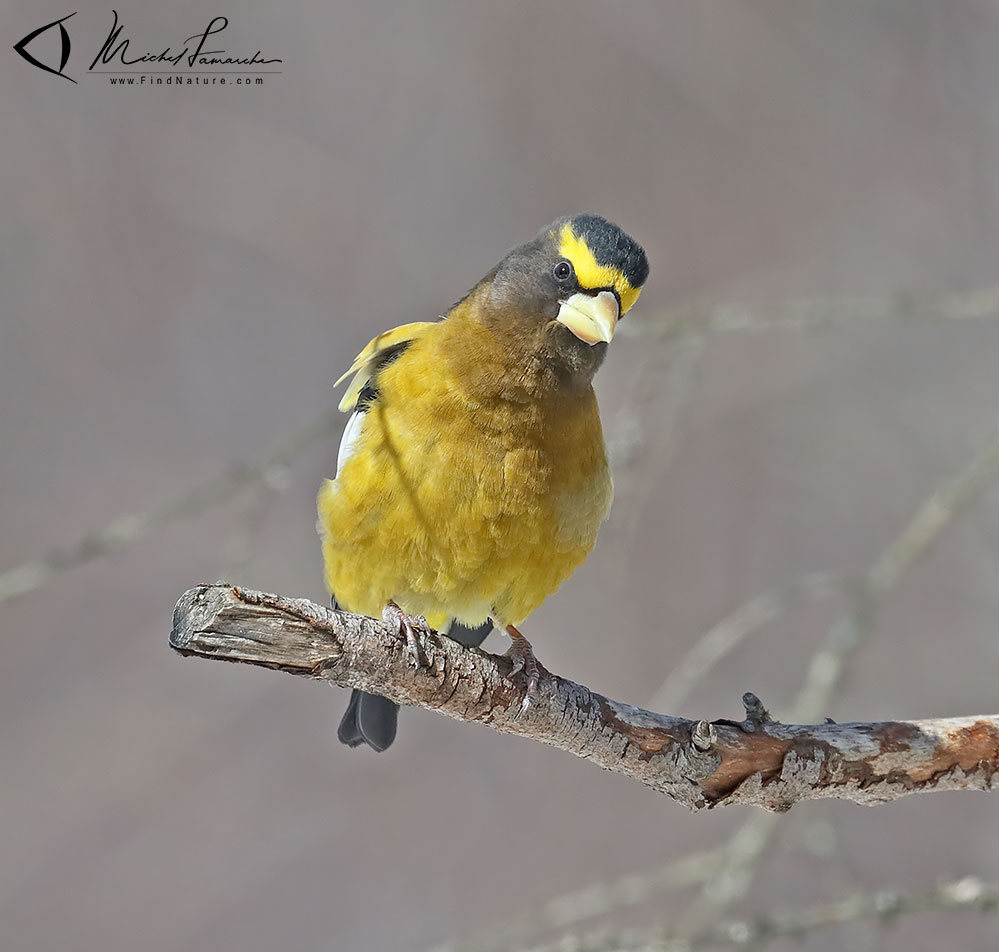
409, 626
522, 655
413, 649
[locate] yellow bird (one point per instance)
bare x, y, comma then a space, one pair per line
472, 476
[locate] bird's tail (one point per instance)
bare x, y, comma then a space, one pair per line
371, 719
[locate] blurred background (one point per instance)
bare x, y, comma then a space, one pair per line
186, 270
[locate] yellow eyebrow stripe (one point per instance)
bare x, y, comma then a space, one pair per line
592, 275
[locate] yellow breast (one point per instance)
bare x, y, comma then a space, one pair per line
463, 502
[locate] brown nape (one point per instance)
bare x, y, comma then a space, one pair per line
518, 353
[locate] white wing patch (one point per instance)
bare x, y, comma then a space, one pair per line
351, 437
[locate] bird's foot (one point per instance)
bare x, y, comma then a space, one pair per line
522, 655
409, 626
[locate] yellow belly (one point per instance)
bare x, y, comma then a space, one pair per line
461, 511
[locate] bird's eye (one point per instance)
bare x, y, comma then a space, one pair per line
563, 270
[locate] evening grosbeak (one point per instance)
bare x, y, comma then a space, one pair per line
472, 475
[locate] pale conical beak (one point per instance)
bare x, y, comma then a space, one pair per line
591, 317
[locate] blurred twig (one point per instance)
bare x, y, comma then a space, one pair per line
727, 870
886, 906
694, 318
127, 529
590, 902
729, 633
751, 840
690, 321
819, 836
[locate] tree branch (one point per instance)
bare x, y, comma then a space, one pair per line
757, 761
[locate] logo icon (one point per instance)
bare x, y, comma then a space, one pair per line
64, 56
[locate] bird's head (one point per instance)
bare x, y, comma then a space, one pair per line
567, 289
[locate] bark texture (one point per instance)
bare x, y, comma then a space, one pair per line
700, 764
